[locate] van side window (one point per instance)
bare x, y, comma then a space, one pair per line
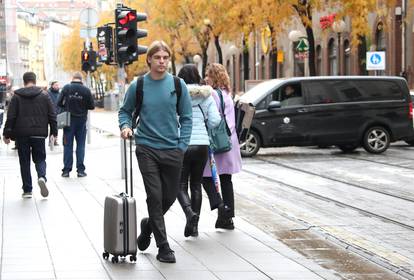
289, 95
380, 90
323, 92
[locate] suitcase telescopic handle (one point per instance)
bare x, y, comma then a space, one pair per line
130, 167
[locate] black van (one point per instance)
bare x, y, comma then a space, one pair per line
346, 111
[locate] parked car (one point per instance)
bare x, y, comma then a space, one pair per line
345, 111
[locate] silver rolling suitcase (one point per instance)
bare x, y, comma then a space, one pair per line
120, 221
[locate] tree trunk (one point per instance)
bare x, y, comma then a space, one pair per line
205, 59
311, 58
218, 48
245, 61
173, 63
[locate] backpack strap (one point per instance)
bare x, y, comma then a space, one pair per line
177, 85
139, 97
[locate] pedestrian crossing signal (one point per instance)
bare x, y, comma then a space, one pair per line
88, 60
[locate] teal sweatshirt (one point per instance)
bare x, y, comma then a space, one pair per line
159, 127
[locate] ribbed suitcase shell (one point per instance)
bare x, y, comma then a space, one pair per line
120, 220
120, 228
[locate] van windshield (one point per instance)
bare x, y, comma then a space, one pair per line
256, 94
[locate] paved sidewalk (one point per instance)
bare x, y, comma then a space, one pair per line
61, 237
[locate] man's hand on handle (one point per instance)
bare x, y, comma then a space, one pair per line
126, 133
6, 140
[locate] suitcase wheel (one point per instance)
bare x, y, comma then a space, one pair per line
114, 259
133, 258
105, 255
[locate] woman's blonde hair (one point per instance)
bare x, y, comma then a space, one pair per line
218, 75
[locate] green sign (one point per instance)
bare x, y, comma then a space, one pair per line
302, 46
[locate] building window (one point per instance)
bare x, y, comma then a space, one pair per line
262, 68
332, 57
347, 57
380, 42
318, 60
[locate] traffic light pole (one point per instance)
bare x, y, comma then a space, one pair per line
121, 85
88, 84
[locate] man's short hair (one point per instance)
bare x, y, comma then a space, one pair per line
77, 76
157, 46
29, 77
53, 82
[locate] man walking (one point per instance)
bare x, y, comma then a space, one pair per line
76, 99
161, 142
29, 114
54, 95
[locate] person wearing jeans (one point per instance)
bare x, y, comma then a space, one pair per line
30, 113
76, 131
76, 99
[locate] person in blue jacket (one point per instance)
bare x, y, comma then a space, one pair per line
161, 141
195, 158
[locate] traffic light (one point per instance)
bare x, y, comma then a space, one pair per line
105, 44
141, 33
125, 35
88, 60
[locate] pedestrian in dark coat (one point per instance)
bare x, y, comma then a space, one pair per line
29, 114
76, 99
53, 92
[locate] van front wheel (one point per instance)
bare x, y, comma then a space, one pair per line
251, 146
376, 140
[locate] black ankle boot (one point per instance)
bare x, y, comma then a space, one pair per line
192, 220
225, 223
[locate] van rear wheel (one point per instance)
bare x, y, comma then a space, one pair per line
376, 140
252, 144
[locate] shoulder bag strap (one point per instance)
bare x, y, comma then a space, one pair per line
139, 97
177, 86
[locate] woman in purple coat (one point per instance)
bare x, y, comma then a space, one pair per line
227, 163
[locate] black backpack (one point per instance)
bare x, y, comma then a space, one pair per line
140, 97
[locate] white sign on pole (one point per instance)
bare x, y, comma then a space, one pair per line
3, 67
88, 17
375, 60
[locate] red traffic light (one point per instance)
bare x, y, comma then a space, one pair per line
126, 17
85, 56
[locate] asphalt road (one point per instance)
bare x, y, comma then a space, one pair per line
347, 211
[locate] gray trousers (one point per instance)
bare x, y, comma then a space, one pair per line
161, 172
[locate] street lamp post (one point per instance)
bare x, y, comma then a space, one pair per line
339, 27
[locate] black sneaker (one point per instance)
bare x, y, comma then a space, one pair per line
225, 223
165, 254
144, 239
82, 174
65, 174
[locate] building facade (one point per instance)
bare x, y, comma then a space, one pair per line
334, 52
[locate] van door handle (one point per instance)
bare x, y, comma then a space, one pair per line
302, 110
